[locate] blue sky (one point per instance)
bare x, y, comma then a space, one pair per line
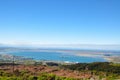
60, 22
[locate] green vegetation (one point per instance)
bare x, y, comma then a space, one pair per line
24, 76
109, 71
106, 69
97, 66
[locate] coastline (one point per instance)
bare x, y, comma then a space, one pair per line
114, 59
82, 53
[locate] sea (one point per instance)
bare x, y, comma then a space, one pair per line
58, 56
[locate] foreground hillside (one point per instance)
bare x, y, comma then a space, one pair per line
81, 71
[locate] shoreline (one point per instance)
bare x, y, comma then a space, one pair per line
76, 53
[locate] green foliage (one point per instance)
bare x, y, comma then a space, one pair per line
97, 66
103, 70
43, 76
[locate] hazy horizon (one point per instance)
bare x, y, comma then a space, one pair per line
66, 46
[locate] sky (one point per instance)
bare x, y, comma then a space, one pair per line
60, 22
